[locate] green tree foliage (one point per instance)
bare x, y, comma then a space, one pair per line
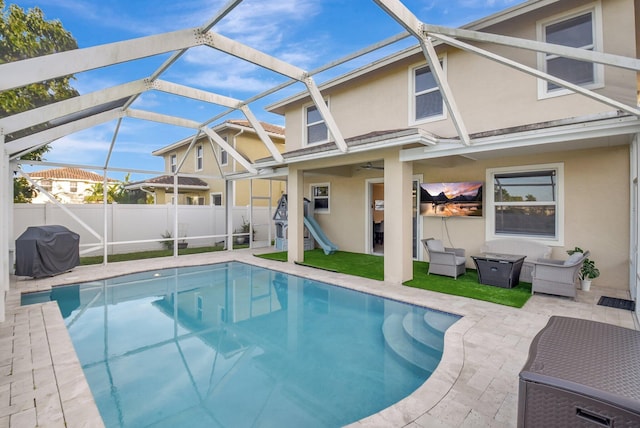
115, 193
26, 35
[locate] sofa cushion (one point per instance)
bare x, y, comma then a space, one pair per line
530, 249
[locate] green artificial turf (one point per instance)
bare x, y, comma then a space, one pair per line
372, 267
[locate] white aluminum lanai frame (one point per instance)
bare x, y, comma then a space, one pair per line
94, 108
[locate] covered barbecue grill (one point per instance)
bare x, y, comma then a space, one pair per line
46, 251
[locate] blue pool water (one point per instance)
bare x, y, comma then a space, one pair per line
235, 345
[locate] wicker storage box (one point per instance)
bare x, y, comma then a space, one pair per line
581, 373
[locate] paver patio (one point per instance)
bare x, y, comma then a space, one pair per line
476, 384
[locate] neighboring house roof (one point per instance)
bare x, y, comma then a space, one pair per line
71, 174
270, 129
167, 181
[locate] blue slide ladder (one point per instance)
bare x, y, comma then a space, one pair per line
317, 233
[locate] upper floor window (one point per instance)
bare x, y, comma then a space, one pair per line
317, 131
224, 156
578, 30
526, 202
73, 186
427, 103
173, 162
199, 157
46, 185
320, 195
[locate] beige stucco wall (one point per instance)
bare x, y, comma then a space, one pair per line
596, 206
248, 145
489, 95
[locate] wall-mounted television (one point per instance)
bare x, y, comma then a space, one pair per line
458, 199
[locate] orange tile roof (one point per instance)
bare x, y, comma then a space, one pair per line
68, 174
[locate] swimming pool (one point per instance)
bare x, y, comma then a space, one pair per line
237, 345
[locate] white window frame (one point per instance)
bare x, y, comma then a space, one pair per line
173, 162
212, 195
199, 157
490, 203
598, 69
305, 125
313, 198
413, 95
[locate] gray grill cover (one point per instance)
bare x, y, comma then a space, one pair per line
46, 251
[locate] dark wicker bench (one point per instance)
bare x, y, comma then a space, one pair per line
581, 373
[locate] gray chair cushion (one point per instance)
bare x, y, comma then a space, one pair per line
435, 245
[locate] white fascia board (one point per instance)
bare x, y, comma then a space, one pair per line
262, 134
164, 186
196, 94
218, 128
423, 138
162, 118
39, 139
72, 105
229, 149
537, 73
227, 125
253, 56
32, 70
264, 173
538, 137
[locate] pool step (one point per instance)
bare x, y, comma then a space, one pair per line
439, 322
403, 345
422, 332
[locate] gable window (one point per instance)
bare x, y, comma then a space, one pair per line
224, 157
199, 158
578, 30
195, 200
173, 162
526, 202
320, 195
316, 128
427, 98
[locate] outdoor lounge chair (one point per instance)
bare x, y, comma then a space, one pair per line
444, 261
557, 276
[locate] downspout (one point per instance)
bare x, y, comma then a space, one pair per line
235, 146
149, 192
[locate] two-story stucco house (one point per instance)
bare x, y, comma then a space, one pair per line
206, 165
67, 185
551, 135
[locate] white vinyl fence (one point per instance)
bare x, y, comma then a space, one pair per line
198, 225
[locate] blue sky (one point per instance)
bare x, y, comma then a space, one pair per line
305, 33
